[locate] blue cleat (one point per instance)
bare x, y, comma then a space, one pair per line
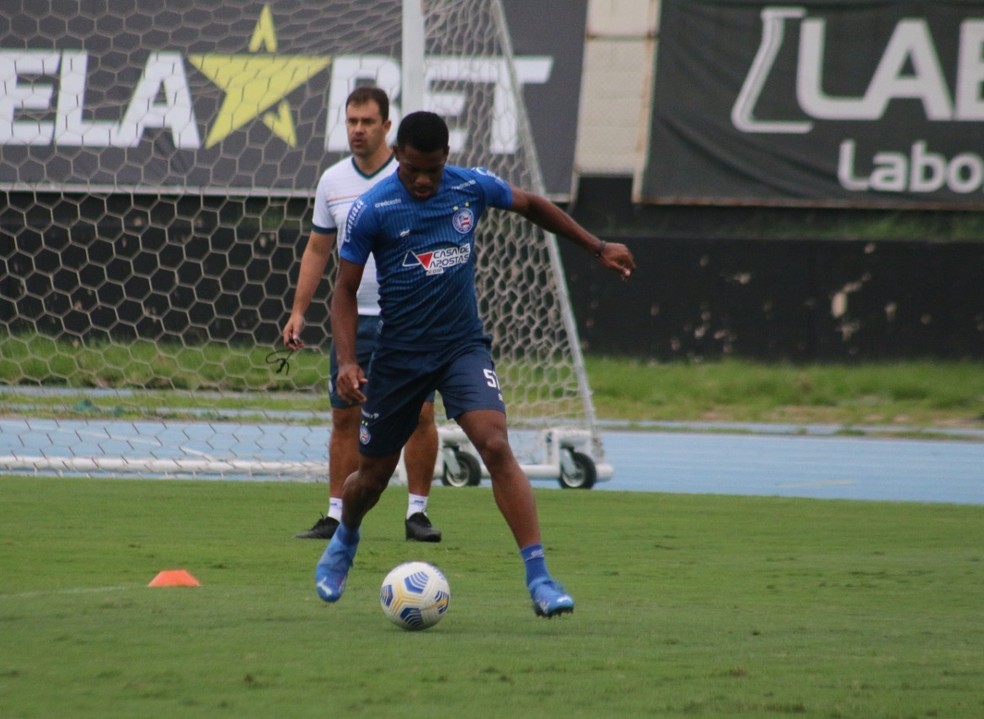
549, 598
332, 571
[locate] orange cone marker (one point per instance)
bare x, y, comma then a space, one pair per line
174, 578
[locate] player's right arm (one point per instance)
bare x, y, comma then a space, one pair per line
313, 263
353, 252
344, 325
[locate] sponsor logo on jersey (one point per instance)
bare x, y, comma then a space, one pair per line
463, 220
436, 261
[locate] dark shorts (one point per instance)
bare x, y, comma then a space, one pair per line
366, 334
400, 381
365, 345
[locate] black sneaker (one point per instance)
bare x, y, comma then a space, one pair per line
419, 527
324, 528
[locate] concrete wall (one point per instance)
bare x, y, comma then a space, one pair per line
700, 292
796, 300
618, 65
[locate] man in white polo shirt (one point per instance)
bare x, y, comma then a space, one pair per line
367, 124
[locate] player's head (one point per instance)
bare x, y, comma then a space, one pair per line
422, 150
423, 131
367, 121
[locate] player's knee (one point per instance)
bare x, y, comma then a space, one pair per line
426, 415
375, 472
494, 448
346, 419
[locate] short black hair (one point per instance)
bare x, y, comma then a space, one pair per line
368, 93
423, 131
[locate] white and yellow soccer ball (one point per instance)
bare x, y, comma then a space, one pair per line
415, 595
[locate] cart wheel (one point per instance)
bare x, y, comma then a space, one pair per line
461, 470
579, 472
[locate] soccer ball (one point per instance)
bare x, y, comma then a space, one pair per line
415, 595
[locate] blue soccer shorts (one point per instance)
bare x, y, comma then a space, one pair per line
400, 381
366, 336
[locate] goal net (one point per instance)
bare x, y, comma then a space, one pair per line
156, 174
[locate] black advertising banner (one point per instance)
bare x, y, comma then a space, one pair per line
818, 103
217, 97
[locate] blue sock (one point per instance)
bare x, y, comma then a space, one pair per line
347, 538
535, 561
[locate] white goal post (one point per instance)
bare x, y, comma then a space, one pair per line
157, 171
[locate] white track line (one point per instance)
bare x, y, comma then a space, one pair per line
73, 590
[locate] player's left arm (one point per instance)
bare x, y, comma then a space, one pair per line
541, 211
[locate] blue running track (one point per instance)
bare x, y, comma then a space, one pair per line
823, 466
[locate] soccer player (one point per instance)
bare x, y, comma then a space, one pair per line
419, 225
367, 124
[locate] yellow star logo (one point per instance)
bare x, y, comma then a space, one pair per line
255, 83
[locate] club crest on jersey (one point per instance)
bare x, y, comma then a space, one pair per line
463, 220
436, 261
364, 435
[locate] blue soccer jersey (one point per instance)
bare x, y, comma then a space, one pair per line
425, 255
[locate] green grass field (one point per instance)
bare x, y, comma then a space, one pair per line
158, 380
687, 606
